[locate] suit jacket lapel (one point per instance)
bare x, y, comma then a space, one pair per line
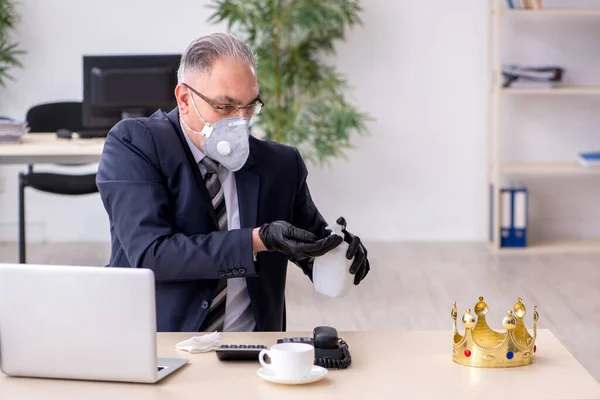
248, 183
174, 118
247, 187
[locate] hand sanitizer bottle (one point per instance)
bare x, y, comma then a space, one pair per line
331, 271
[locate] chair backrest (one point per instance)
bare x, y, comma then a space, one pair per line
50, 117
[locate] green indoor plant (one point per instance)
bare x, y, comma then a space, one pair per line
9, 50
305, 104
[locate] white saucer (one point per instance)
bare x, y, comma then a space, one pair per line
317, 373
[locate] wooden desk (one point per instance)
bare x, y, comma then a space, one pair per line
394, 365
47, 148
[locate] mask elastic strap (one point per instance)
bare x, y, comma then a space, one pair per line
207, 130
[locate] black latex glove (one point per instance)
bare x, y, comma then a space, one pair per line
360, 266
296, 243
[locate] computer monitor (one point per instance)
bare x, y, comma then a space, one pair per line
127, 86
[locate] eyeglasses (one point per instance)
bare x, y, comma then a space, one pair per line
229, 109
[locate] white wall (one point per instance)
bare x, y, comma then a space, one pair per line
417, 67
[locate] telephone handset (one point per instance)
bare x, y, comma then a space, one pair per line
330, 350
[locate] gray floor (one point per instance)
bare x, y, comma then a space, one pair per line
412, 287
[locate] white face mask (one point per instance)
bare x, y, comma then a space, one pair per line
227, 141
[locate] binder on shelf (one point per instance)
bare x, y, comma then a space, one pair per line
506, 213
519, 217
491, 214
514, 212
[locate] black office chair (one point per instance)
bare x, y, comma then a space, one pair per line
50, 117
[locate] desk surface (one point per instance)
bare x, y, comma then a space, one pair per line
410, 365
38, 148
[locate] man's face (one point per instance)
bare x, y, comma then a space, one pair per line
228, 83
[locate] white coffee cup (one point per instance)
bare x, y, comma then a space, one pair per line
289, 360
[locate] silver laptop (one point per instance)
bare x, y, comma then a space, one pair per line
71, 322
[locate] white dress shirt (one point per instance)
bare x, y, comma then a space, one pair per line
238, 313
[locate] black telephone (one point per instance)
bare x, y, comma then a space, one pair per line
330, 351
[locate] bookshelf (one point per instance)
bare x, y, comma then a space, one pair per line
550, 11
545, 168
497, 169
563, 90
556, 247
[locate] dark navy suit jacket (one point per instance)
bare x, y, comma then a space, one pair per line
161, 218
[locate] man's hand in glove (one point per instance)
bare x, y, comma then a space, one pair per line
360, 266
296, 243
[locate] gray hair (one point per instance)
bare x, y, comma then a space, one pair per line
202, 52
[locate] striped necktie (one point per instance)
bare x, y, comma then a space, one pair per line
216, 313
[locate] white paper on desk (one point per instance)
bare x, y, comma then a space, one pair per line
200, 344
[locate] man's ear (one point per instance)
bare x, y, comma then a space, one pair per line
182, 95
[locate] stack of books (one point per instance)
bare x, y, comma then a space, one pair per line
523, 76
527, 4
11, 131
589, 159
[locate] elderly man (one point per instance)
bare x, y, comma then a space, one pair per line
213, 211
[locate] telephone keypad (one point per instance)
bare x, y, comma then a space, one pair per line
307, 340
239, 352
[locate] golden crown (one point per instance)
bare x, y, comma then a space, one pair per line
483, 347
